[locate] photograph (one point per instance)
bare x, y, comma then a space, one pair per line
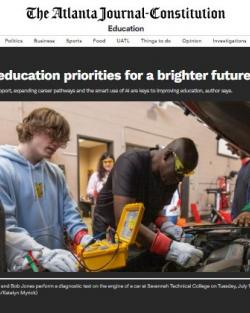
124, 186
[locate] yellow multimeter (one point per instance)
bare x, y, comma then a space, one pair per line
104, 255
129, 222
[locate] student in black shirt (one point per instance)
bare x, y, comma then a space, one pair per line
150, 177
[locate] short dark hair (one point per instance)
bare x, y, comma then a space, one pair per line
186, 150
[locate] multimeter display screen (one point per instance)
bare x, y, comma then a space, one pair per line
129, 224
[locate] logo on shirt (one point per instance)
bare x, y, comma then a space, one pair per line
38, 190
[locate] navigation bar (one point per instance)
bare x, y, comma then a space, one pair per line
125, 41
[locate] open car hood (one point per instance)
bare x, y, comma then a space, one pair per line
230, 120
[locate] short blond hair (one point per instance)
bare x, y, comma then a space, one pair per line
44, 120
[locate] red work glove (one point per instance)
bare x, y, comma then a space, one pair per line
161, 244
82, 237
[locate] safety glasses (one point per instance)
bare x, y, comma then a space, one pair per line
108, 162
179, 167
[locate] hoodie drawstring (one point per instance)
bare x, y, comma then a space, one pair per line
31, 179
35, 192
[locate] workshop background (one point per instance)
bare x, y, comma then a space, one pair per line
118, 126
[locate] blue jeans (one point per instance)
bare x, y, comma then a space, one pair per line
173, 219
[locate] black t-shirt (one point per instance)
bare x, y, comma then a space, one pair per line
242, 188
132, 177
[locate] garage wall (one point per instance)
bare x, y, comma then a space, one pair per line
137, 123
